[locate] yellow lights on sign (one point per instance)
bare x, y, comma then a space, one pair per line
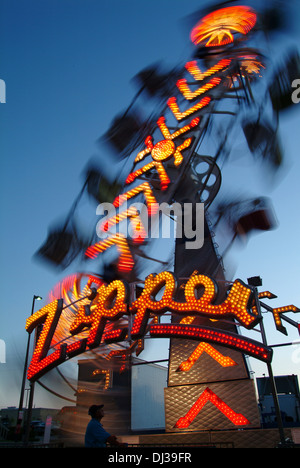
95, 319
224, 361
49, 316
107, 374
236, 304
277, 311
112, 302
280, 310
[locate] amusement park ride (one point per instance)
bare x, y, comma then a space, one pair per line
111, 314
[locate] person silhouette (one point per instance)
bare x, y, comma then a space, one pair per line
96, 435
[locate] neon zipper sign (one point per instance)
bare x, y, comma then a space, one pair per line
112, 302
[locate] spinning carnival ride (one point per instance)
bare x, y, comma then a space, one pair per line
176, 157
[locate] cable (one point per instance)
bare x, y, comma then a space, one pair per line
55, 393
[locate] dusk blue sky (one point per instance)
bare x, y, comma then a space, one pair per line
68, 67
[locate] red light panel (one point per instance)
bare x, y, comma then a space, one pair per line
236, 418
211, 335
115, 335
76, 348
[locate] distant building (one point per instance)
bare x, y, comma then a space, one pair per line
289, 400
8, 416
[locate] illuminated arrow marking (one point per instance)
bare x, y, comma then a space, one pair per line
224, 361
278, 310
126, 261
144, 188
172, 103
189, 95
236, 418
198, 75
281, 310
